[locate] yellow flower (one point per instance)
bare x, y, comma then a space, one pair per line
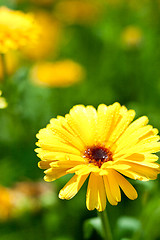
103, 145
49, 34
16, 29
77, 11
3, 103
57, 74
12, 61
131, 36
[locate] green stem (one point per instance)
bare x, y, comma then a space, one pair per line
106, 226
4, 67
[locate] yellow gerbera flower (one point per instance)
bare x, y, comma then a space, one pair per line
3, 103
103, 145
16, 29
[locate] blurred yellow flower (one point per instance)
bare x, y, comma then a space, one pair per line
49, 34
131, 36
5, 203
3, 103
16, 29
12, 61
103, 145
77, 11
57, 74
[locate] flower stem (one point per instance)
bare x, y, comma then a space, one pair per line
106, 226
4, 68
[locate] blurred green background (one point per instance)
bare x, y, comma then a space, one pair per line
117, 42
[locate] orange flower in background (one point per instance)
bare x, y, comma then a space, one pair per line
131, 36
16, 29
77, 11
57, 74
49, 36
104, 145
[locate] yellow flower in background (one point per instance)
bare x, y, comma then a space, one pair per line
16, 29
12, 61
57, 74
131, 36
77, 11
3, 103
5, 203
49, 35
104, 145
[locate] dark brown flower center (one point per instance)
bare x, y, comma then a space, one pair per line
98, 155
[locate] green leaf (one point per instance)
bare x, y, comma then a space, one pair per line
126, 226
90, 225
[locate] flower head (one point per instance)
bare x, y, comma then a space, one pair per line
16, 29
57, 74
3, 103
104, 145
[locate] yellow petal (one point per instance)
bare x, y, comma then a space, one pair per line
132, 129
110, 197
72, 187
121, 126
67, 136
125, 143
53, 174
44, 164
83, 169
79, 120
92, 190
92, 117
139, 148
127, 188
63, 164
133, 175
114, 186
107, 119
144, 163
153, 132
101, 194
144, 171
